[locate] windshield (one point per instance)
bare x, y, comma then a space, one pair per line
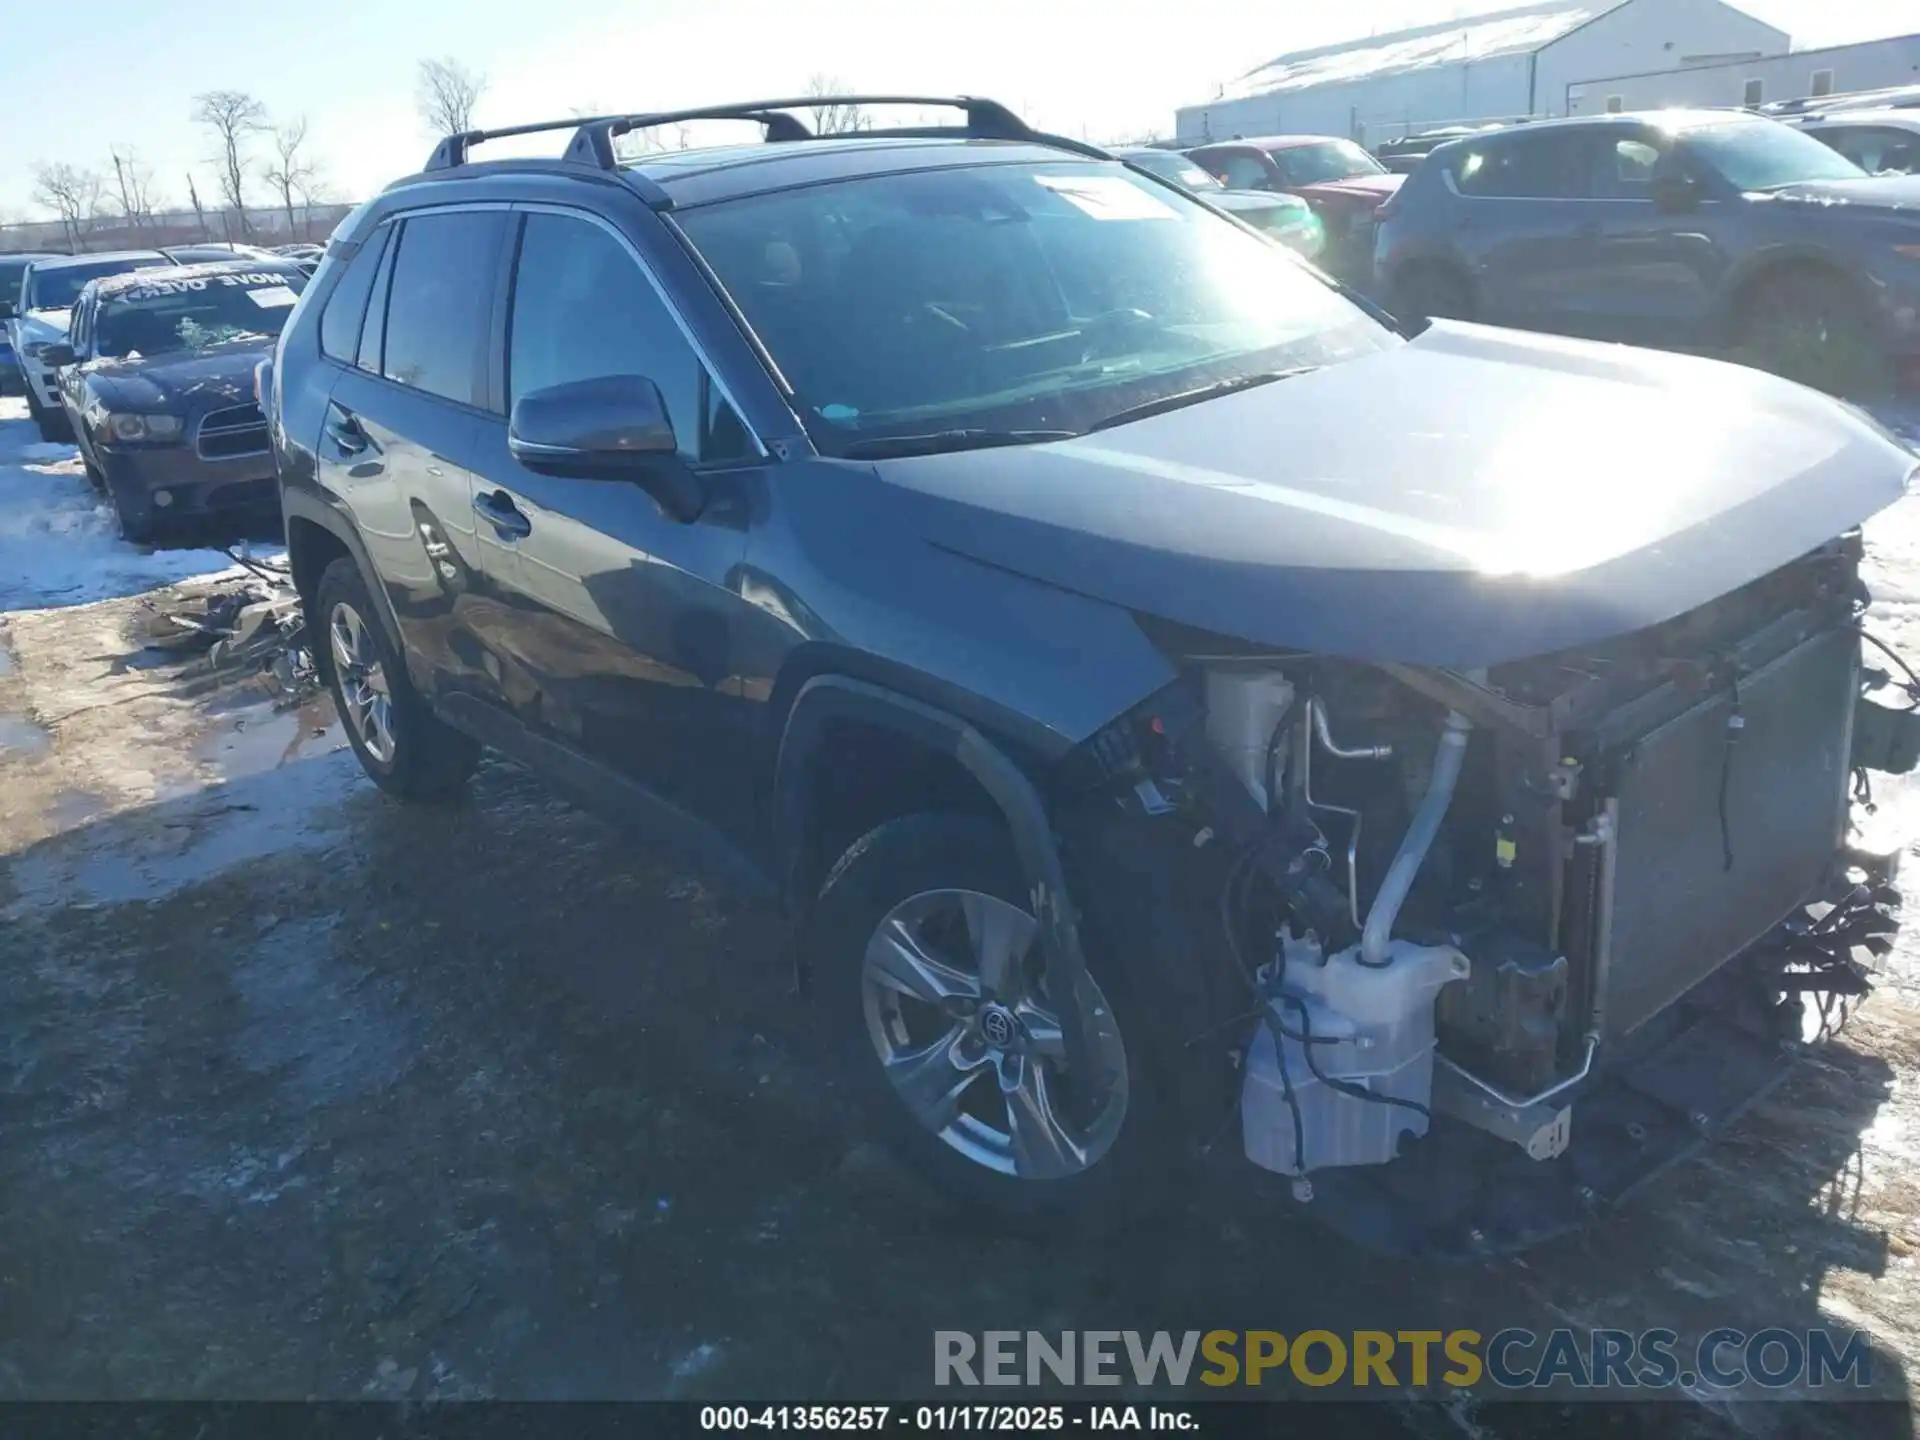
1177, 168
1010, 297
167, 316
58, 289
12, 272
1331, 160
1764, 155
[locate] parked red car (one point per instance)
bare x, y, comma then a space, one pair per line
1342, 182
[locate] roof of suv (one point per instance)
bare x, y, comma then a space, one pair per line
696, 177
789, 156
1276, 142
1828, 120
1662, 119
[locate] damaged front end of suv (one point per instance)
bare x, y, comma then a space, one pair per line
1514, 938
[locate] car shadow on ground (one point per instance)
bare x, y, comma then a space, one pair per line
308, 1093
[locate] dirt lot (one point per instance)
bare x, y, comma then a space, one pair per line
306, 1094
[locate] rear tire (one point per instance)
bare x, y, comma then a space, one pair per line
1426, 292
1810, 326
1094, 1157
405, 749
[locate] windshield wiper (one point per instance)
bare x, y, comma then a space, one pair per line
886, 447
1185, 398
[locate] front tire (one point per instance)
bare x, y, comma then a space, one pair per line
931, 974
405, 749
1426, 292
1810, 326
52, 424
137, 527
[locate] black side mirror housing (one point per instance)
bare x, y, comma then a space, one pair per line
56, 355
612, 427
1673, 191
7, 312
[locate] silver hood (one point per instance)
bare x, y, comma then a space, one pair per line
1470, 497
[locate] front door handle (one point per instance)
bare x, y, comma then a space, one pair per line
496, 507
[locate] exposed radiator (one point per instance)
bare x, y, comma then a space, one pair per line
1678, 911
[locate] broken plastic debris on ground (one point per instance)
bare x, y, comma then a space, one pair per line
59, 544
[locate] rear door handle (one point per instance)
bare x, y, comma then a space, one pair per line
344, 430
496, 507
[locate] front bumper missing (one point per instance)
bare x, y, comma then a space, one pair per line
1461, 1193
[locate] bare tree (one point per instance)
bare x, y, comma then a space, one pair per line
234, 117
199, 211
71, 193
830, 117
446, 94
133, 187
318, 191
292, 171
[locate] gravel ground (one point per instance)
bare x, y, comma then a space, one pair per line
303, 1093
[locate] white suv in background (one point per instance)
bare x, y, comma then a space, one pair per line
46, 294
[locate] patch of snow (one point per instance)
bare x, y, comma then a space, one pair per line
59, 544
297, 810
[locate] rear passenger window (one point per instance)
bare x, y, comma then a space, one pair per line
374, 333
1521, 167
584, 309
439, 302
347, 306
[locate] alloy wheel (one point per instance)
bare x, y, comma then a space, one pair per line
957, 1010
362, 680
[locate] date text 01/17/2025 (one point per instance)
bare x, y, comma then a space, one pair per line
944, 1418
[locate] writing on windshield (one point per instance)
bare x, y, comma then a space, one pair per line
167, 315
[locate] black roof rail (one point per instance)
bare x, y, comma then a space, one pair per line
592, 143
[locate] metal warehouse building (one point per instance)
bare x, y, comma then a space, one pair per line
1496, 66
1870, 65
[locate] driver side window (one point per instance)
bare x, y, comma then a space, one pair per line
1624, 170
584, 309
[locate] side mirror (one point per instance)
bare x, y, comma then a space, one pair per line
56, 355
613, 427
1673, 191
7, 312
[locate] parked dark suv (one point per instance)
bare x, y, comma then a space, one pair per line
1708, 230
1160, 693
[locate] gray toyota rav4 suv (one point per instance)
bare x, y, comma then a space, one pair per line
1164, 696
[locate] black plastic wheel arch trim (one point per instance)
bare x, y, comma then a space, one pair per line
827, 698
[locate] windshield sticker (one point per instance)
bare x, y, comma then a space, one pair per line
272, 297
839, 414
1108, 197
155, 289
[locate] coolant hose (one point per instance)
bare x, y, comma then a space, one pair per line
1416, 842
